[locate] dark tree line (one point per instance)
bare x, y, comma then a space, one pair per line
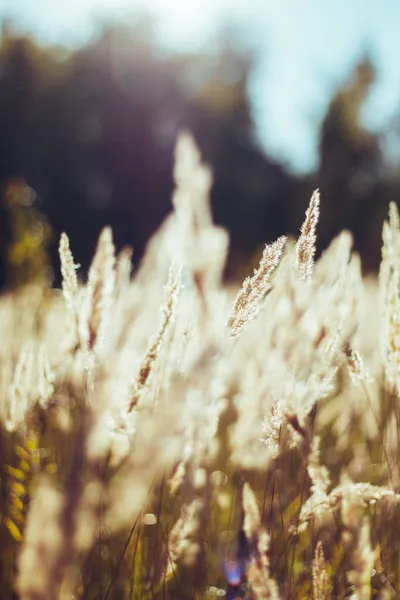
87, 137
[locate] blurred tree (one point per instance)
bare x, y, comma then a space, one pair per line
92, 132
25, 232
98, 130
16, 107
350, 166
251, 191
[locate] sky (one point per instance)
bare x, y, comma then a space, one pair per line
305, 49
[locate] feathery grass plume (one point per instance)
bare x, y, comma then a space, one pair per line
68, 270
32, 383
356, 537
181, 535
391, 240
364, 493
154, 351
390, 249
390, 332
320, 480
393, 448
101, 284
394, 218
247, 303
320, 574
193, 182
252, 519
262, 584
177, 477
272, 426
389, 296
303, 337
201, 246
305, 247
318, 509
356, 367
310, 324
318, 505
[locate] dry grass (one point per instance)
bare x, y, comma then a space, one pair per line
245, 448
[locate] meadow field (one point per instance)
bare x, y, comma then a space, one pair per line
164, 436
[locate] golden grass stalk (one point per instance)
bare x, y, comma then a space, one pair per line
155, 348
320, 507
200, 245
252, 520
68, 270
272, 427
389, 297
182, 533
101, 286
305, 247
356, 366
320, 480
193, 182
247, 303
319, 574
